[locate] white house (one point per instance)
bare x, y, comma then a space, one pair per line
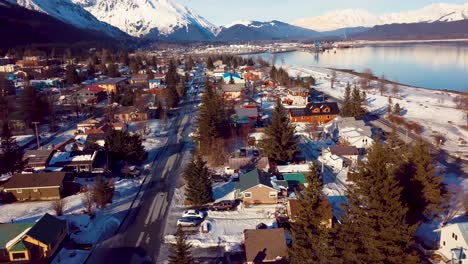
453, 243
291, 168
332, 160
355, 137
339, 157
298, 96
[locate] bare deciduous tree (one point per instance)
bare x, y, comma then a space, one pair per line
395, 89
58, 206
366, 78
88, 202
382, 85
333, 78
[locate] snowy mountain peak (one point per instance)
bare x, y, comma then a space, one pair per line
68, 12
361, 18
143, 17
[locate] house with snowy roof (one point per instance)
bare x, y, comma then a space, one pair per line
453, 243
234, 76
31, 242
77, 161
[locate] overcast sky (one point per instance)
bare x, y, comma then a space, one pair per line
221, 12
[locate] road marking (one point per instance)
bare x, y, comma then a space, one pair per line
163, 209
156, 212
140, 238
150, 212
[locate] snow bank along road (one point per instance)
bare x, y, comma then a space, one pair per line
140, 236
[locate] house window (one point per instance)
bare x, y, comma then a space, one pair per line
19, 256
328, 117
272, 195
248, 195
35, 190
443, 243
19, 191
456, 237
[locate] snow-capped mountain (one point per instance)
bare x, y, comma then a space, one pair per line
151, 18
68, 12
361, 18
255, 30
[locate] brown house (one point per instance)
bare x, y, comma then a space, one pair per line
294, 209
320, 113
130, 114
265, 246
37, 159
36, 186
112, 85
31, 242
258, 187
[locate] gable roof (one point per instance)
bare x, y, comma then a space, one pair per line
10, 231
37, 156
308, 110
43, 179
271, 243
344, 150
294, 178
112, 80
232, 88
47, 229
254, 178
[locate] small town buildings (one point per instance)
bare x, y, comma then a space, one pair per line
112, 85
31, 242
265, 246
156, 81
130, 114
453, 244
320, 113
87, 125
218, 73
298, 96
139, 79
37, 159
339, 157
228, 76
258, 187
293, 209
232, 91
35, 186
356, 137
246, 114
77, 161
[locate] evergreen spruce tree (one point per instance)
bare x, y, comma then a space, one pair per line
347, 107
281, 143
374, 227
231, 80
179, 253
11, 155
198, 190
209, 63
310, 235
71, 75
357, 101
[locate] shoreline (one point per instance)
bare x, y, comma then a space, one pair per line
411, 41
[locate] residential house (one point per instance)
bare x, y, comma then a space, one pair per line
297, 96
320, 113
228, 76
453, 243
157, 81
87, 124
257, 138
259, 187
31, 242
36, 186
77, 161
294, 209
356, 137
112, 85
232, 91
37, 159
265, 246
347, 156
91, 94
218, 73
130, 114
246, 114
139, 79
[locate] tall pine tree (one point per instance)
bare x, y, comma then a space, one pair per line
374, 227
11, 155
347, 106
280, 144
198, 190
311, 237
179, 253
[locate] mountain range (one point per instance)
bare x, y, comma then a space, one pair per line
167, 20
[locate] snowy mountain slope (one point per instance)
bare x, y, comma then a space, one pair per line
255, 30
70, 13
362, 18
149, 18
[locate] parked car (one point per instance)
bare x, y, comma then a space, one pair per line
224, 205
189, 221
218, 178
194, 214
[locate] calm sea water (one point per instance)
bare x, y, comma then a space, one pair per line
434, 66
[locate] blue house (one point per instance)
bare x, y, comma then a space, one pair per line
237, 78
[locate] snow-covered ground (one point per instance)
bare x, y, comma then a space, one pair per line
432, 109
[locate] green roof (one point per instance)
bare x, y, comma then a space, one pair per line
294, 178
47, 229
10, 231
20, 246
254, 178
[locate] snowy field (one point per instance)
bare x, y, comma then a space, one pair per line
432, 109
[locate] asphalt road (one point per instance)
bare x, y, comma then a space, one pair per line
140, 235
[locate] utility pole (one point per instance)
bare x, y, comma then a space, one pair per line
37, 135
